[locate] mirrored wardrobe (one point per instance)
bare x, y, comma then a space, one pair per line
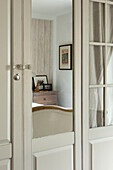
52, 84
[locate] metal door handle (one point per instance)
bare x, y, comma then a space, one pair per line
16, 77
22, 67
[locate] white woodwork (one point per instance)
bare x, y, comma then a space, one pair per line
27, 87
40, 145
53, 151
5, 151
15, 49
52, 142
97, 142
17, 115
102, 132
85, 85
41, 48
5, 165
22, 107
5, 70
5, 85
102, 155
77, 49
57, 159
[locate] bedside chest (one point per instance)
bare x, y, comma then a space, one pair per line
46, 98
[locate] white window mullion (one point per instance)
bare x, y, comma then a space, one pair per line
106, 36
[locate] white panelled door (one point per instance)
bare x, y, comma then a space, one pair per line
15, 106
5, 86
21, 89
97, 84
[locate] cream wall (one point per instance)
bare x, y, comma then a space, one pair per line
62, 79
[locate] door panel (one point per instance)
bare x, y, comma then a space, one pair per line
5, 165
15, 114
5, 85
102, 155
5, 151
57, 159
5, 71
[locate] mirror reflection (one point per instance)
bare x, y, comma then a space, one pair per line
52, 97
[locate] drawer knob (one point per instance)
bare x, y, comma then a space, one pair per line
44, 98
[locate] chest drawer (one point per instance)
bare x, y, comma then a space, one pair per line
50, 99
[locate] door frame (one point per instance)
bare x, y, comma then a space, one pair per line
85, 85
77, 83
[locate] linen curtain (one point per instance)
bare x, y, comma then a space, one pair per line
97, 65
96, 61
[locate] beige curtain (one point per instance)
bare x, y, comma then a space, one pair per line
96, 64
97, 34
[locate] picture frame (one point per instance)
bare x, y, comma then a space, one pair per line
41, 79
65, 57
47, 87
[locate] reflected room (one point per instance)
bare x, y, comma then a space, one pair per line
52, 72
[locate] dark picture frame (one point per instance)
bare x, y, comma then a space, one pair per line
37, 78
65, 57
47, 87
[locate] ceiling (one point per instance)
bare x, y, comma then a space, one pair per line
51, 7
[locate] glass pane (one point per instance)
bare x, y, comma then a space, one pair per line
110, 65
97, 22
96, 107
96, 65
110, 23
109, 110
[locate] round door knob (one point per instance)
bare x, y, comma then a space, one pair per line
16, 77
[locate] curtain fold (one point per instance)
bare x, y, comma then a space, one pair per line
96, 109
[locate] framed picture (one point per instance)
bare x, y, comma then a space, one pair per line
65, 57
39, 80
47, 87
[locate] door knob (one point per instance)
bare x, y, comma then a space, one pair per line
16, 77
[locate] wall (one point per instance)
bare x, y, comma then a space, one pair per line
62, 79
